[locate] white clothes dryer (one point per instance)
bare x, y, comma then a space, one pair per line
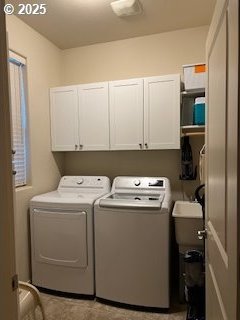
62, 245
132, 242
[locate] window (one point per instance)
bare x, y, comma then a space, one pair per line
18, 112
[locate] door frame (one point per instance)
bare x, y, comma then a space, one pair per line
238, 179
8, 291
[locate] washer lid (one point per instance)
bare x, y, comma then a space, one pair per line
132, 201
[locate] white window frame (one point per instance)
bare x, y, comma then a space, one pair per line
17, 68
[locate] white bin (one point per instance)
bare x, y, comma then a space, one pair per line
194, 76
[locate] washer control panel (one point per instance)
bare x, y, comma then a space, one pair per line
146, 183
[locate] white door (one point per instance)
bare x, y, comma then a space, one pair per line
8, 294
222, 163
64, 118
59, 237
162, 112
126, 114
93, 116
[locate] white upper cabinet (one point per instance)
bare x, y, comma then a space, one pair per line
162, 112
126, 114
145, 119
93, 116
64, 118
133, 114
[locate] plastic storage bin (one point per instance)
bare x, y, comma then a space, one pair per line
194, 76
199, 111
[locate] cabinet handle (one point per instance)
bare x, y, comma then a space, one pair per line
76, 146
146, 145
140, 145
81, 146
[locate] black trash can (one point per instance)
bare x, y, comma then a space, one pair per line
195, 284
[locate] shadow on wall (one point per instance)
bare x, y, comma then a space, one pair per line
164, 163
114, 163
58, 158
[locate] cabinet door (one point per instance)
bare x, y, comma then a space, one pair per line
126, 114
64, 118
93, 116
162, 112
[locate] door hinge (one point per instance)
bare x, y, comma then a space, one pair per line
15, 282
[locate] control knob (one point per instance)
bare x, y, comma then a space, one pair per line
137, 183
80, 181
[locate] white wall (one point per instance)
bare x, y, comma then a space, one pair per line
43, 72
156, 54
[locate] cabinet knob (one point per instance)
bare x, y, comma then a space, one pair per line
202, 234
140, 145
81, 146
76, 146
13, 151
146, 145
14, 172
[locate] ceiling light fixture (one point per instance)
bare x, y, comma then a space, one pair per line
126, 7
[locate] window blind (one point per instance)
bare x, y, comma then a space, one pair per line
18, 113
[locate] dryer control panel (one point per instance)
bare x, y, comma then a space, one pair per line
98, 182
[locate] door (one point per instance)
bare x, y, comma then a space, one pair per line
93, 116
126, 114
59, 237
8, 294
64, 118
162, 112
222, 163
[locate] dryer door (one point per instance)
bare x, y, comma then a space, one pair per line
60, 237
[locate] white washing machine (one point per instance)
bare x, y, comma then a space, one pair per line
132, 242
62, 234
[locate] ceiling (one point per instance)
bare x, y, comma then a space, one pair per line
74, 23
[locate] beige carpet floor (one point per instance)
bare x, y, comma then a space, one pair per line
61, 308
